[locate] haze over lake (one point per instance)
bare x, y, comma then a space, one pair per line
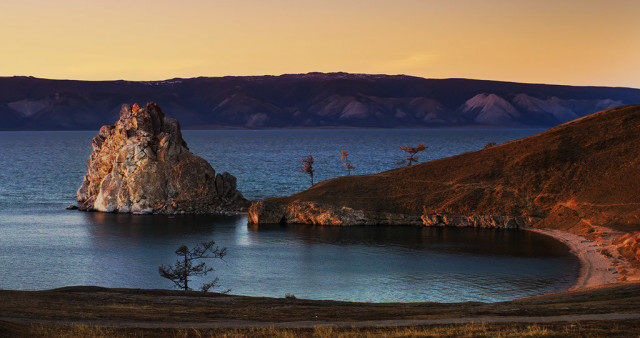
43, 246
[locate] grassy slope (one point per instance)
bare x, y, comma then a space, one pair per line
579, 173
101, 306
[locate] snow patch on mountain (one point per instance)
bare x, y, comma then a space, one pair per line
429, 110
552, 107
355, 110
490, 109
607, 104
257, 120
28, 108
330, 106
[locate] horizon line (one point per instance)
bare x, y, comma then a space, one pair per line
313, 73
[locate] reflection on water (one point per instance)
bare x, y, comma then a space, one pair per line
447, 239
374, 263
136, 226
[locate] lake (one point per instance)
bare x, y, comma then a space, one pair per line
43, 246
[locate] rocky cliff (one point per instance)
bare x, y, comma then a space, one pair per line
142, 165
574, 176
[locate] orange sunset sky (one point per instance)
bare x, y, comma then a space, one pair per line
586, 42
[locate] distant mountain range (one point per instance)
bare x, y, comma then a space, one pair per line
314, 100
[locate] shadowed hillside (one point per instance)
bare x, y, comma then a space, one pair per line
314, 100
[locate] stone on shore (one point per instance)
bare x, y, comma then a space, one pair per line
142, 165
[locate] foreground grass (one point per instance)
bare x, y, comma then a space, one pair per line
100, 312
628, 328
99, 305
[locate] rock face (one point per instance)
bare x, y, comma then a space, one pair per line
479, 221
142, 165
270, 212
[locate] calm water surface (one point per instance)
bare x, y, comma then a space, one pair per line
43, 246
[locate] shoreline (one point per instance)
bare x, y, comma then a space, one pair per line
596, 269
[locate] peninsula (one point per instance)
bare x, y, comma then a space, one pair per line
579, 178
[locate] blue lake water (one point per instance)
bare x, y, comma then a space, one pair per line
43, 246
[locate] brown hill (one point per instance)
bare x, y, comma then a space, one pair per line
577, 176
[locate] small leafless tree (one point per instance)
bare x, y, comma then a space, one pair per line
307, 167
412, 154
345, 162
489, 145
184, 268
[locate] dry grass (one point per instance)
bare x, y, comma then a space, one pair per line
582, 170
177, 307
80, 303
170, 313
575, 329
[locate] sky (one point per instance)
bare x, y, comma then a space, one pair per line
575, 42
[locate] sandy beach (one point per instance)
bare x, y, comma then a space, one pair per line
600, 262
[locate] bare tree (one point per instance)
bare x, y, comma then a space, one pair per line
184, 267
307, 167
489, 145
412, 154
345, 162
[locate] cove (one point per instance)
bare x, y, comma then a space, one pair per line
43, 246
373, 264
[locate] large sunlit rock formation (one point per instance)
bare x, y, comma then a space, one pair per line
142, 165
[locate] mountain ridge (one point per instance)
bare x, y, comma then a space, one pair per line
312, 100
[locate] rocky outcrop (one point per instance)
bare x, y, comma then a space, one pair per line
629, 247
479, 221
273, 212
142, 165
